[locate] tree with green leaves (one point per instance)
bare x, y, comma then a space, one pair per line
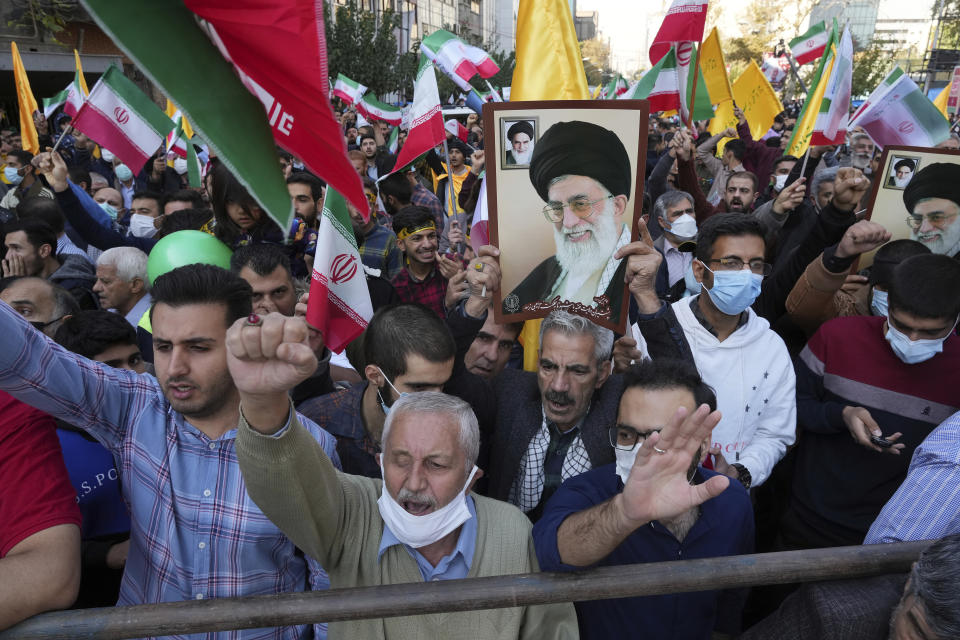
870, 65
363, 47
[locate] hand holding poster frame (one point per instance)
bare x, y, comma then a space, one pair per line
935, 174
588, 156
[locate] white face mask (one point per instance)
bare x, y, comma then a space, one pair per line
684, 227
141, 226
914, 351
779, 181
420, 531
180, 166
106, 155
625, 460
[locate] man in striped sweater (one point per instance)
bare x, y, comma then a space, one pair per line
887, 382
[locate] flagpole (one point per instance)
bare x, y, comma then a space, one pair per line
493, 90
796, 75
63, 135
803, 167
693, 93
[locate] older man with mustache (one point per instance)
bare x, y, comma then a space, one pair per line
933, 201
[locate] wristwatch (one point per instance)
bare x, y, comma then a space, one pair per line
743, 474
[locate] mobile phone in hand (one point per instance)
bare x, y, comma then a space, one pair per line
881, 442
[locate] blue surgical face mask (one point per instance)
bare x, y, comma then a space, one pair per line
878, 303
914, 351
12, 175
733, 291
383, 405
123, 172
106, 206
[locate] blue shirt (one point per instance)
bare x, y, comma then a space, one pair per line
927, 504
195, 533
724, 528
451, 567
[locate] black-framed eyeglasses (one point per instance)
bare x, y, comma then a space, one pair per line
937, 219
757, 266
626, 438
580, 207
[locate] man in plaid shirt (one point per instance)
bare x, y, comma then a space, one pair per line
426, 273
195, 532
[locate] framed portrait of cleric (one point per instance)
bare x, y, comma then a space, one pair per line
924, 202
902, 168
559, 222
518, 137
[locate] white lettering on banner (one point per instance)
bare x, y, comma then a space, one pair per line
687, 8
429, 114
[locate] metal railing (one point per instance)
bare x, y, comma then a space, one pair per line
471, 594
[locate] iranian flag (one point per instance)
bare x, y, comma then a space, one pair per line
393, 142
348, 90
616, 88
457, 130
373, 109
457, 59
878, 93
660, 85
121, 118
683, 22
426, 119
902, 116
831, 123
812, 44
339, 305
177, 139
70, 98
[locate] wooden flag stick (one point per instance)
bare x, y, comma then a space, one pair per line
693, 92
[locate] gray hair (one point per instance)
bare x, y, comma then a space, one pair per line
669, 199
130, 263
859, 136
828, 174
440, 403
64, 304
571, 325
933, 580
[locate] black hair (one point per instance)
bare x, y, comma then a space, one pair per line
24, 156
743, 174
183, 219
79, 175
302, 177
396, 185
38, 233
226, 188
368, 183
45, 210
887, 257
398, 330
203, 284
91, 332
737, 147
412, 217
926, 286
724, 224
159, 198
184, 195
262, 258
784, 158
668, 373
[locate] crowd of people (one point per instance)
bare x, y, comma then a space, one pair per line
181, 433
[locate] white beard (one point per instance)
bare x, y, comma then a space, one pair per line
523, 158
591, 255
946, 242
902, 182
860, 160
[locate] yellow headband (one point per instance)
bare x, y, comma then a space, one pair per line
405, 233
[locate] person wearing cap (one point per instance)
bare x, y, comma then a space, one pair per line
583, 174
933, 201
457, 152
902, 173
520, 135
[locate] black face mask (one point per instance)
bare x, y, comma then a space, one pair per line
40, 326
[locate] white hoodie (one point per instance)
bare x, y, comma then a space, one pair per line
753, 378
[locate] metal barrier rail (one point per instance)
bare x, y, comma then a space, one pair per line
462, 595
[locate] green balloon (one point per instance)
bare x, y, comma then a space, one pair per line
186, 247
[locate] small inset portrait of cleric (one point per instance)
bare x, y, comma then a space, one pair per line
933, 201
519, 139
582, 173
901, 171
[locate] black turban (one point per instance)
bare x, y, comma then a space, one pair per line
460, 145
938, 180
522, 126
904, 163
581, 149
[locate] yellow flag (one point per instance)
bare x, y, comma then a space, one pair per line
171, 110
28, 104
83, 81
549, 63
722, 118
530, 341
759, 101
596, 92
803, 130
940, 102
714, 69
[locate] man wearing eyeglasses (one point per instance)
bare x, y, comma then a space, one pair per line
583, 174
933, 201
588, 521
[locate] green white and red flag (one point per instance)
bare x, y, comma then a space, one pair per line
615, 88
902, 115
457, 59
812, 44
426, 118
339, 305
177, 141
348, 90
660, 85
683, 22
831, 123
121, 118
71, 98
393, 142
374, 109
